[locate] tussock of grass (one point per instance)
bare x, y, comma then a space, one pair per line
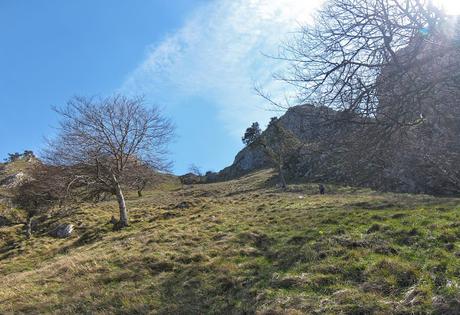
242, 247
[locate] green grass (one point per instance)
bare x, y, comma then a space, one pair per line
242, 247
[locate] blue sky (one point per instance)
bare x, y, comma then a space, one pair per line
197, 59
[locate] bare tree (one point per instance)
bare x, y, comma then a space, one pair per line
391, 69
338, 62
44, 188
103, 141
280, 145
141, 175
195, 169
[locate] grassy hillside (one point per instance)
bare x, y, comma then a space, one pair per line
242, 247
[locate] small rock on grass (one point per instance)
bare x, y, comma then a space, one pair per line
62, 231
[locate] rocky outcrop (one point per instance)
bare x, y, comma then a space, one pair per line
413, 148
426, 94
306, 122
249, 159
191, 179
419, 158
13, 180
16, 172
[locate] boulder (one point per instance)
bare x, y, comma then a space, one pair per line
62, 231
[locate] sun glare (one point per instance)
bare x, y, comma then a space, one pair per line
451, 7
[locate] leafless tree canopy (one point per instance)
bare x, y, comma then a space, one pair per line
107, 141
195, 169
385, 74
338, 60
37, 195
280, 145
116, 128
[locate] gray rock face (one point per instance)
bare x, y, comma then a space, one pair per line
12, 181
247, 160
401, 166
429, 92
303, 121
62, 231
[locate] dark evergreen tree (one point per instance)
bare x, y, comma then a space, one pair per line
251, 134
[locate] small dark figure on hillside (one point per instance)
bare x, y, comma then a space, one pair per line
322, 189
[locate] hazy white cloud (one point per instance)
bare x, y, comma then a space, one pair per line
218, 55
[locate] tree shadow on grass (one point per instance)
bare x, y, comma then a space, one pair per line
88, 237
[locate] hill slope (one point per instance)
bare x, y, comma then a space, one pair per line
240, 247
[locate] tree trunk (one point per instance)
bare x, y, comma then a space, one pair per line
29, 227
122, 205
282, 179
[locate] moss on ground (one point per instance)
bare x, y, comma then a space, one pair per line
242, 247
